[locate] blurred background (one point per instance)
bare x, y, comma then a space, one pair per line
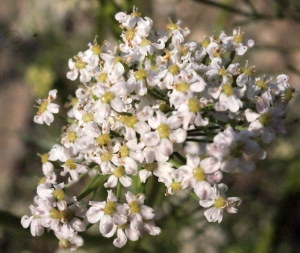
37, 37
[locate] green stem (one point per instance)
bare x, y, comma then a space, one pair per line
197, 140
194, 196
174, 163
119, 190
180, 157
92, 186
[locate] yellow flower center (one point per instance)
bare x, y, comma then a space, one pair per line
222, 71
42, 180
66, 215
134, 207
248, 71
64, 243
55, 214
266, 119
103, 139
107, 97
288, 94
171, 26
198, 174
140, 74
227, 89
130, 34
43, 107
123, 226
131, 121
220, 202
119, 171
70, 164
109, 208
124, 151
145, 42
238, 38
88, 117
79, 64
173, 69
58, 194
182, 86
193, 105
150, 166
102, 78
96, 49
176, 186
163, 131
205, 42
71, 136
261, 84
106, 157
44, 158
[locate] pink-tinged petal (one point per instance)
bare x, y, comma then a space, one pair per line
233, 103
215, 178
25, 221
268, 135
246, 166
111, 182
38, 119
130, 166
173, 122
119, 89
206, 203
129, 133
111, 196
117, 104
94, 214
149, 154
151, 138
250, 115
179, 135
203, 190
47, 117
147, 212
159, 156
193, 161
142, 127
121, 239
107, 227
36, 228
210, 165
145, 113
85, 76
230, 164
119, 219
130, 197
255, 126
132, 235
141, 88
166, 147
53, 108
125, 181
144, 174
77, 224
72, 75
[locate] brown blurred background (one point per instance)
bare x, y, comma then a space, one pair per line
36, 40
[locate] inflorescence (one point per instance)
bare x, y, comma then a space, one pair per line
154, 106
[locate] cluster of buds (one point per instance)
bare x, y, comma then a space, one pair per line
153, 107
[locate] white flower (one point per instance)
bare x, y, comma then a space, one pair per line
219, 202
46, 109
108, 212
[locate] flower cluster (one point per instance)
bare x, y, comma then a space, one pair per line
155, 107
